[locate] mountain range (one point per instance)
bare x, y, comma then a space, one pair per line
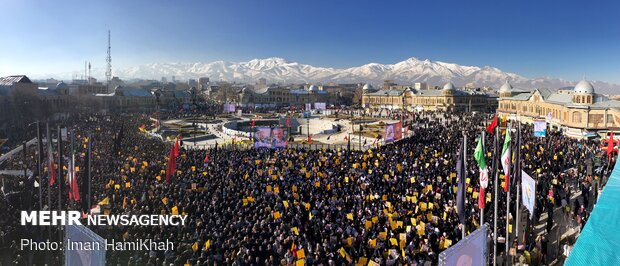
278, 70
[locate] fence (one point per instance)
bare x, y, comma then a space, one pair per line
320, 146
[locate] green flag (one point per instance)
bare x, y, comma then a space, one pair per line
479, 154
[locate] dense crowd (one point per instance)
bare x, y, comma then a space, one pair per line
393, 205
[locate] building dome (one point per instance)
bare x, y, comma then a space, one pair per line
584, 87
313, 88
449, 87
61, 85
505, 88
368, 87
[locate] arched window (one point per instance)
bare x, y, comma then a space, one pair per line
576, 117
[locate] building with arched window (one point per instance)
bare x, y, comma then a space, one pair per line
411, 98
580, 112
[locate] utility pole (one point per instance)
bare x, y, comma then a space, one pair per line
108, 71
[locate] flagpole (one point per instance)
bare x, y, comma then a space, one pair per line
39, 160
61, 179
464, 175
507, 211
495, 197
518, 162
89, 167
50, 171
482, 208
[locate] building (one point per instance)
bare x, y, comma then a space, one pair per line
203, 83
284, 97
579, 112
192, 83
449, 98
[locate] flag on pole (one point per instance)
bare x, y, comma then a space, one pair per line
610, 144
207, 158
460, 172
172, 161
74, 192
484, 172
491, 127
506, 157
253, 122
50, 160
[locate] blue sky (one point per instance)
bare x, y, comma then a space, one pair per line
564, 39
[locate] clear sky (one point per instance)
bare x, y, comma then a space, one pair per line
564, 39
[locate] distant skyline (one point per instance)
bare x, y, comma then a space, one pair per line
562, 39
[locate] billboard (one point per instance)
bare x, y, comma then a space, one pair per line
389, 133
319, 106
262, 137
279, 137
229, 108
540, 128
398, 131
82, 255
471, 250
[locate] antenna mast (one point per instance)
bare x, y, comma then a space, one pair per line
108, 72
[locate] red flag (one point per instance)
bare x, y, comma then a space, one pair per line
346, 137
491, 127
610, 144
253, 122
207, 158
142, 126
172, 161
309, 139
481, 198
288, 122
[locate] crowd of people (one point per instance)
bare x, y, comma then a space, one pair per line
394, 205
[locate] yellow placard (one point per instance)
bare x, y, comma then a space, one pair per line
301, 254
350, 216
276, 215
175, 210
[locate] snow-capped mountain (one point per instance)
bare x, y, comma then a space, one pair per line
278, 70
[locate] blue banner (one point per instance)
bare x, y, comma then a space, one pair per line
540, 129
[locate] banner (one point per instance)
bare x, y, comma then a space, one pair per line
540, 128
262, 137
398, 131
229, 108
472, 250
308, 107
279, 137
389, 133
528, 192
79, 234
319, 106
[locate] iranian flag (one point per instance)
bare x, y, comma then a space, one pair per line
74, 192
484, 172
50, 160
506, 160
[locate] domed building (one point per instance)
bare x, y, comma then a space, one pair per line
447, 97
505, 90
578, 111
